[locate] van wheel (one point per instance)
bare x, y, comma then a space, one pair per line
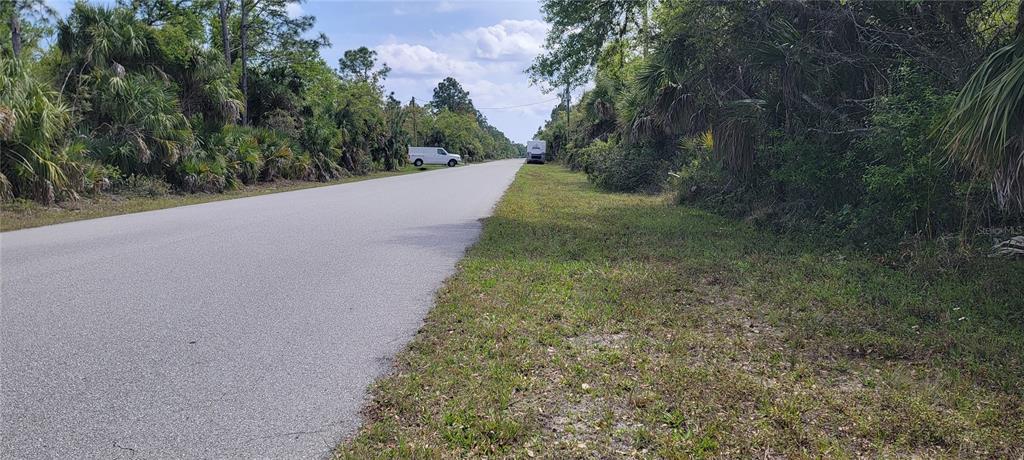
418, 163
452, 163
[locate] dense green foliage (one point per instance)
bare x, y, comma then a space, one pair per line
148, 89
827, 115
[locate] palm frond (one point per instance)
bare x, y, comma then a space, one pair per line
735, 135
985, 127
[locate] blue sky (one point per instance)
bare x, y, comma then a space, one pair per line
485, 45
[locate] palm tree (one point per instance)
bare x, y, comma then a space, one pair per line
207, 87
985, 126
393, 136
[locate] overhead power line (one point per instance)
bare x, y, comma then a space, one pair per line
518, 106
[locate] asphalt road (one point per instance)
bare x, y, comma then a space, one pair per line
247, 328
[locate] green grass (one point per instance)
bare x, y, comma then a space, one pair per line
597, 325
19, 214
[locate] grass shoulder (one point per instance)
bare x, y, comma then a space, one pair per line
19, 214
586, 324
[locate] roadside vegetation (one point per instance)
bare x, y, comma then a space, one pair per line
879, 125
149, 194
201, 96
589, 324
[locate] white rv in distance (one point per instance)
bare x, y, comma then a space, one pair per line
536, 151
420, 156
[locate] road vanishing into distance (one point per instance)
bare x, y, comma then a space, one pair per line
241, 328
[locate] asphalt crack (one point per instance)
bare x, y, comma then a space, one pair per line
131, 450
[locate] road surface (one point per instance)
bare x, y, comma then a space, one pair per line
242, 328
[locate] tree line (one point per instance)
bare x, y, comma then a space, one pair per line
203, 95
874, 122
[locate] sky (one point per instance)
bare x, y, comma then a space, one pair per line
485, 45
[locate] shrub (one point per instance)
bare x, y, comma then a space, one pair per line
699, 175
35, 159
244, 161
578, 159
325, 169
281, 121
137, 185
362, 163
907, 188
633, 168
873, 189
275, 163
204, 172
320, 139
95, 177
298, 167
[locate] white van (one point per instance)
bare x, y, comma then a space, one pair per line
420, 156
535, 151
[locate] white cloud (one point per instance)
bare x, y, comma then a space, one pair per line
508, 39
489, 63
508, 98
408, 60
294, 10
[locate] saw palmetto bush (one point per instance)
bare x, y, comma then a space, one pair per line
242, 150
38, 158
207, 88
985, 126
321, 139
280, 157
207, 172
137, 123
129, 108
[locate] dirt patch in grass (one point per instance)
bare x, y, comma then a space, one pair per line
594, 325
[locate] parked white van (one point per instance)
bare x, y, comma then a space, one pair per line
535, 151
420, 156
